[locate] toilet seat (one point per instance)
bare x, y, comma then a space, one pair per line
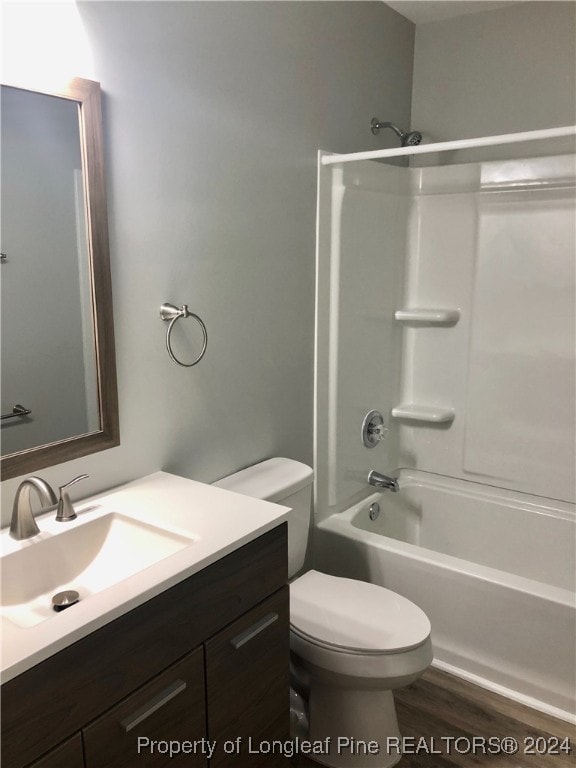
354, 617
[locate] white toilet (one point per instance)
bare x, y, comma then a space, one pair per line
352, 642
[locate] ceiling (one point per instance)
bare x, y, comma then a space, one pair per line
424, 11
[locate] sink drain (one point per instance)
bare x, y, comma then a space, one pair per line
64, 600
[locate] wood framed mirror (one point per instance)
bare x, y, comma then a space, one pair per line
58, 353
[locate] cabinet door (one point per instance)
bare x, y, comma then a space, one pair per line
247, 678
165, 715
67, 755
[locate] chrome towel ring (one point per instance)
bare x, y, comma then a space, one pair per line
170, 313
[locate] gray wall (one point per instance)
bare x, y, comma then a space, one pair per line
214, 113
499, 71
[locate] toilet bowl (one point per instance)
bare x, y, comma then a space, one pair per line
351, 642
355, 642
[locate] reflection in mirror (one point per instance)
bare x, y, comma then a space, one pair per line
47, 334
57, 340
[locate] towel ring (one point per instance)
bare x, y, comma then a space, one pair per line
169, 312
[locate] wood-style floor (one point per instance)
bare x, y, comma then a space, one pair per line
441, 705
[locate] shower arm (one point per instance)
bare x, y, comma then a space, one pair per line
377, 125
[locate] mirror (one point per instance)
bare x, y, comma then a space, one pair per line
59, 393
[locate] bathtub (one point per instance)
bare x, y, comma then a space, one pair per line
494, 570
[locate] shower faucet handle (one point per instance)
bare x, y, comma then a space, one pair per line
378, 431
373, 429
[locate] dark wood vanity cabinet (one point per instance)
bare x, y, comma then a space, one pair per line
204, 665
170, 708
67, 755
247, 684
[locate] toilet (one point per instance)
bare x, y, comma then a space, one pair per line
351, 642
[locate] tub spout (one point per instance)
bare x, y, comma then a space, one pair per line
383, 481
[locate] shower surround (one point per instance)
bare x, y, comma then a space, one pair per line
446, 301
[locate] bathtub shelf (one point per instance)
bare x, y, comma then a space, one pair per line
426, 413
428, 316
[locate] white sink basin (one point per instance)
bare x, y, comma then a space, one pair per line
88, 559
126, 546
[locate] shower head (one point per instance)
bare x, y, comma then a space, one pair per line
411, 139
407, 138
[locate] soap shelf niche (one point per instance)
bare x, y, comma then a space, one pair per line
426, 414
423, 413
428, 316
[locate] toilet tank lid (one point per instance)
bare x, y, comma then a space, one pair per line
272, 480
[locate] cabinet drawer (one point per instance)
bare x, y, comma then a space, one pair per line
247, 675
67, 755
171, 708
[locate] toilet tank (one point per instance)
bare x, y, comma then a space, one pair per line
286, 482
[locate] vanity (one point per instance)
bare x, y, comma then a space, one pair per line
183, 662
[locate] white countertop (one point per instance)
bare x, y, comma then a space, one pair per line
217, 521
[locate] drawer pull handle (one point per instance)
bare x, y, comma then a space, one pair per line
255, 629
153, 705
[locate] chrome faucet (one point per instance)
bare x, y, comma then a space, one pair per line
383, 481
23, 525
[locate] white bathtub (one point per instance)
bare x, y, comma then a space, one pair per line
502, 605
